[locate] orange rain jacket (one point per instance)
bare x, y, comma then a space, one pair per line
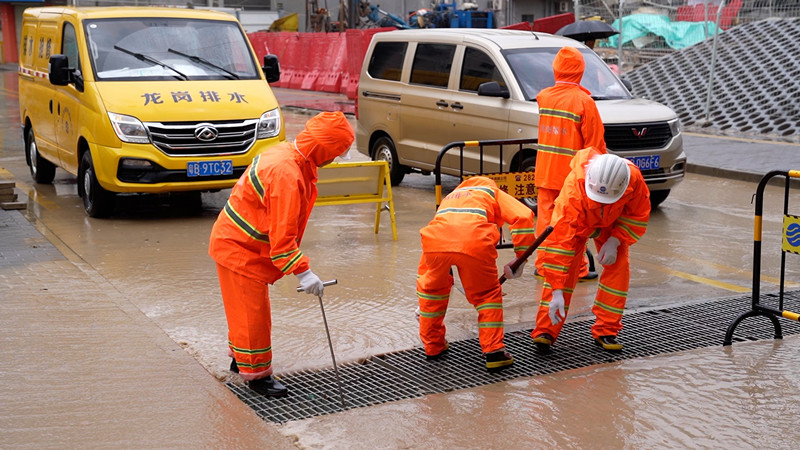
576, 216
258, 233
469, 218
568, 120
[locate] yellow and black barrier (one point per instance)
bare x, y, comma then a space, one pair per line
357, 182
790, 244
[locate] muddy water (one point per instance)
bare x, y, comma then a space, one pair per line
743, 396
698, 246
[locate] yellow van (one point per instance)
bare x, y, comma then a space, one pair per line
142, 100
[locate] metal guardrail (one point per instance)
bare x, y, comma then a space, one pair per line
791, 244
500, 143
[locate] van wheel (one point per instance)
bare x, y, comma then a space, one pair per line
658, 197
42, 170
383, 150
529, 165
97, 202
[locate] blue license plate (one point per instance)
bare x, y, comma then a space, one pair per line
651, 162
209, 168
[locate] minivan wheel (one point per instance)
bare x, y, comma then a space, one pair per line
42, 170
529, 165
658, 197
383, 150
97, 202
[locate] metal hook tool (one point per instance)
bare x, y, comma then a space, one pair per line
330, 343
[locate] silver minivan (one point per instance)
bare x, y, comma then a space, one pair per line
420, 90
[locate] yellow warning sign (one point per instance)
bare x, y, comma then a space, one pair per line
791, 234
517, 184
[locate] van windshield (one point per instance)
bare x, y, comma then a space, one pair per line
147, 48
533, 69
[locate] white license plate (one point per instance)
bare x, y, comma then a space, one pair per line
651, 162
209, 168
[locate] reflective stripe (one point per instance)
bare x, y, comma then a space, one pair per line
608, 308
432, 297
615, 292
245, 226
491, 305
629, 221
292, 262
556, 268
558, 251
561, 151
431, 315
560, 113
253, 177
485, 190
248, 351
473, 211
490, 324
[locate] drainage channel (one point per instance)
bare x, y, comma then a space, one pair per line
406, 374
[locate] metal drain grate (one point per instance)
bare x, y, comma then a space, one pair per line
756, 82
406, 374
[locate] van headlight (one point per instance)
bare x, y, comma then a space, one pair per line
129, 129
269, 125
674, 126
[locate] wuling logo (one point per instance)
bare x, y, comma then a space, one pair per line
639, 133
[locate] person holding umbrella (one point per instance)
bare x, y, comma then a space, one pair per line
256, 240
587, 31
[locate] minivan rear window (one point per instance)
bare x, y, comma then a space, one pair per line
387, 60
432, 64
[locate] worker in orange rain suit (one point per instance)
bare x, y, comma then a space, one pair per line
464, 233
255, 240
568, 122
610, 202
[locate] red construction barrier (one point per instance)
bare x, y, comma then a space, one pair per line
295, 59
334, 63
524, 26
357, 43
313, 46
553, 23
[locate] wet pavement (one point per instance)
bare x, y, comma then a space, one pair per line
107, 365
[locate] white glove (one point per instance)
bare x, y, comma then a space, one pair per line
608, 252
556, 307
507, 270
310, 283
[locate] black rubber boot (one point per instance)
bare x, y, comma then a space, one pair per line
609, 343
542, 343
497, 361
234, 367
269, 387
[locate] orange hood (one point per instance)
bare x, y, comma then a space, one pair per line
326, 136
569, 65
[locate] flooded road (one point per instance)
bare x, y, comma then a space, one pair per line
698, 246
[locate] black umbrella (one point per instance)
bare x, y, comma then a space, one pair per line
587, 30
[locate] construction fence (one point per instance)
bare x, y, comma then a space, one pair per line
654, 28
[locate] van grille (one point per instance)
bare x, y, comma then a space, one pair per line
640, 136
180, 138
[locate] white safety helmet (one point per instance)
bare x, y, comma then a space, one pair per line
607, 177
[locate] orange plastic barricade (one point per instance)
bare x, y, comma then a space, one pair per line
357, 182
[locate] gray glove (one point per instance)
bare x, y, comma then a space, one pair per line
310, 283
556, 307
513, 274
608, 252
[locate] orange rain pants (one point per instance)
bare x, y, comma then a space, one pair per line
247, 309
609, 303
545, 204
479, 277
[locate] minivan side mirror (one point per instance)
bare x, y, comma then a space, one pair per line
272, 69
60, 72
627, 84
493, 89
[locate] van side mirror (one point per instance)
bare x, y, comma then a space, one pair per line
627, 84
60, 72
493, 89
272, 69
